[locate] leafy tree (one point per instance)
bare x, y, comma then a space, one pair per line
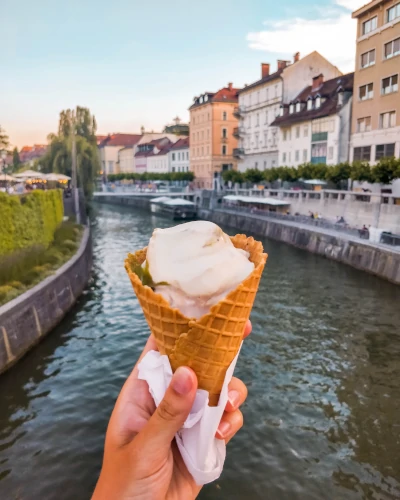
361, 171
386, 170
59, 156
288, 174
253, 175
16, 159
233, 175
271, 174
338, 173
4, 141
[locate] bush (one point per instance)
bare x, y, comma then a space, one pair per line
29, 220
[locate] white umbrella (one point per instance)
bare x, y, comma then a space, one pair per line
57, 177
30, 174
7, 178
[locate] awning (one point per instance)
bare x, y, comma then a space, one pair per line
178, 202
257, 199
160, 199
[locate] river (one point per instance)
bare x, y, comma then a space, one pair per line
322, 365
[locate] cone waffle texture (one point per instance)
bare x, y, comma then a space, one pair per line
209, 344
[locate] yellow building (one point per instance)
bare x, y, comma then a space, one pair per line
212, 143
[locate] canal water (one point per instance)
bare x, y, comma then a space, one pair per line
322, 365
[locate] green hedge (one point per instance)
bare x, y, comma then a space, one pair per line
29, 220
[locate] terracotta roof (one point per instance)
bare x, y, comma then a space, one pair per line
181, 144
162, 143
226, 94
29, 153
100, 138
328, 90
120, 140
272, 76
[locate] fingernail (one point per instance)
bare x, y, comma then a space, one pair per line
223, 429
234, 398
182, 381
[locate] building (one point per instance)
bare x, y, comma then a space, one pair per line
376, 105
110, 147
315, 125
29, 154
157, 159
177, 128
259, 105
150, 149
212, 143
126, 156
179, 157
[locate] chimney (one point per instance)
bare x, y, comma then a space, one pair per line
230, 86
317, 81
264, 70
296, 57
282, 64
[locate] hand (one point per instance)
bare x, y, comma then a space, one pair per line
141, 458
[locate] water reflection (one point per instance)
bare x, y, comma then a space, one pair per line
322, 367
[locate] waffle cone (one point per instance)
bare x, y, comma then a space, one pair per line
208, 345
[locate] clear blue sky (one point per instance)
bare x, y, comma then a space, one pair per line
139, 63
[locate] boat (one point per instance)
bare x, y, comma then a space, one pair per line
155, 203
178, 209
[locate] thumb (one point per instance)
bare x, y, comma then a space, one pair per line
172, 412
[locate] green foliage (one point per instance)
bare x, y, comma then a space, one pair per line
386, 170
26, 267
233, 175
338, 173
4, 142
59, 156
253, 175
29, 220
170, 176
361, 171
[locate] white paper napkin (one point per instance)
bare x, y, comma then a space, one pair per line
203, 454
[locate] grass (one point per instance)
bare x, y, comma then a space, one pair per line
23, 270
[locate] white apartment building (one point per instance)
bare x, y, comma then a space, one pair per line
315, 126
259, 105
178, 156
110, 147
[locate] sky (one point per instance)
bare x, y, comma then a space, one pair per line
136, 62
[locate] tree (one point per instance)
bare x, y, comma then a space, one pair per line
233, 176
4, 142
16, 159
386, 170
288, 174
361, 171
59, 156
271, 174
339, 173
253, 175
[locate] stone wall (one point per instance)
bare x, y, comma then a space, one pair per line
25, 320
364, 256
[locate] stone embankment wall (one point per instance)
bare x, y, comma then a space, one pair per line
368, 257
25, 320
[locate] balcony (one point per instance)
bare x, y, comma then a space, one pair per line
319, 136
239, 132
239, 111
315, 160
238, 152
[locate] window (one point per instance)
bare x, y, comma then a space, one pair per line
297, 155
223, 150
318, 102
173, 156
266, 138
110, 167
284, 135
368, 59
173, 169
291, 109
224, 134
364, 124
319, 150
256, 165
366, 92
208, 133
370, 25
224, 115
202, 150
330, 152
309, 104
187, 155
305, 131
266, 117
362, 154
179, 157
265, 165
298, 107
284, 157
392, 48
393, 12
297, 132
258, 97
257, 119
304, 155
256, 140
387, 120
282, 111
384, 151
390, 84
276, 91
290, 156
266, 94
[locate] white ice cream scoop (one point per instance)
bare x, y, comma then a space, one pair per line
195, 265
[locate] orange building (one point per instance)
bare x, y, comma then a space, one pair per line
212, 142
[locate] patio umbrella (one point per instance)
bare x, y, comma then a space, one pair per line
7, 178
29, 174
57, 177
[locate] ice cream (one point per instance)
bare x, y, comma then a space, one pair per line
196, 287
195, 265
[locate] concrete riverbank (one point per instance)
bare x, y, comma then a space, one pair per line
381, 260
25, 320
